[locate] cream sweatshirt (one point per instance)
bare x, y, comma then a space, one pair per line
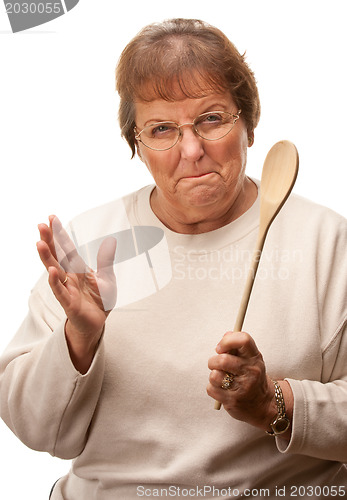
139, 423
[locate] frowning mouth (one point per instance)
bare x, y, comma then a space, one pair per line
199, 176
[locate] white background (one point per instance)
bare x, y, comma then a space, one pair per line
61, 152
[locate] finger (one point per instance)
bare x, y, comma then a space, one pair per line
105, 277
228, 363
55, 227
217, 393
46, 235
106, 256
222, 382
60, 291
240, 342
216, 378
48, 259
67, 254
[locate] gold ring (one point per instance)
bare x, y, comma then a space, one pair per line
65, 280
227, 381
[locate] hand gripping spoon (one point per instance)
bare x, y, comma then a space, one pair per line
277, 180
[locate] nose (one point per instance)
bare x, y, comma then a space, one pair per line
191, 145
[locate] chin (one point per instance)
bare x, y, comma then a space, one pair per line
202, 196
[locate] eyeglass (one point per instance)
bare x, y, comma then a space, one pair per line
211, 126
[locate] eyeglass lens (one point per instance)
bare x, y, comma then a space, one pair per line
210, 126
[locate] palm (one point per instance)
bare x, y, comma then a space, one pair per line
86, 309
87, 296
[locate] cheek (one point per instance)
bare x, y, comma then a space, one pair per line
239, 148
145, 156
161, 164
232, 156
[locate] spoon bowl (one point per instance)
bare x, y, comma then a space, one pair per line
278, 177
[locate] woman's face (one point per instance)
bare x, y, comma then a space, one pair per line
196, 174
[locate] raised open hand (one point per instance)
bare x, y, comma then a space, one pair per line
87, 296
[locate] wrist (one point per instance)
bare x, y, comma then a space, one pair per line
82, 348
280, 425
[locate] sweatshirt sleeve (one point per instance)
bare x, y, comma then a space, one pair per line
320, 409
44, 400
319, 427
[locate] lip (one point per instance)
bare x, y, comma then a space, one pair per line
199, 176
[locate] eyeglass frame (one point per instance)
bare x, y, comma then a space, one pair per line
235, 115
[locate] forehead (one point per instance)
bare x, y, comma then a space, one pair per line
195, 84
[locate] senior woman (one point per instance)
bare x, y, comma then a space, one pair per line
119, 384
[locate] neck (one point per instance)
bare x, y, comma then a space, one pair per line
196, 220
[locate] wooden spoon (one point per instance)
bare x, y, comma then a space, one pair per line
277, 180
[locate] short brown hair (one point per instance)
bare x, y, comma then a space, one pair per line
185, 52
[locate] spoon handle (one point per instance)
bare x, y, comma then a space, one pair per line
248, 287
250, 281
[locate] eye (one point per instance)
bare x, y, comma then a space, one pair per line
162, 130
209, 119
213, 118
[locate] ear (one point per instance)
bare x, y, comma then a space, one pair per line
250, 138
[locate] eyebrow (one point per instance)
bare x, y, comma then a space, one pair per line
153, 121
208, 109
215, 107
216, 102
